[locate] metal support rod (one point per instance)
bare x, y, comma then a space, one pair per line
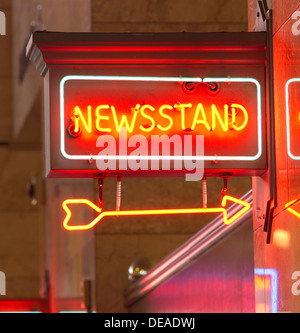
88, 303
100, 191
273, 180
204, 192
225, 186
225, 176
272, 203
118, 196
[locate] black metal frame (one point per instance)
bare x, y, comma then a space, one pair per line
266, 14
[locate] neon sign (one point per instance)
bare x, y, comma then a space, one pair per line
182, 86
245, 207
86, 122
292, 87
89, 121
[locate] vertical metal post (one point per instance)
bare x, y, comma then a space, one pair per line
273, 180
88, 303
118, 196
225, 186
100, 191
272, 203
204, 192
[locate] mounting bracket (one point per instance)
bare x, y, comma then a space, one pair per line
264, 22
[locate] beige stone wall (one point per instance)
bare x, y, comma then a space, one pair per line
24, 234
19, 220
169, 15
120, 242
6, 75
51, 15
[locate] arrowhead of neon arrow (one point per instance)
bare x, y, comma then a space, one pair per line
245, 207
66, 208
290, 209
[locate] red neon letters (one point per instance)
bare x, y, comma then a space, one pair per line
101, 118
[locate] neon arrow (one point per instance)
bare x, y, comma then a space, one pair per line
66, 203
290, 209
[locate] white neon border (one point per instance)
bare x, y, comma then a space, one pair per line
287, 110
159, 79
274, 285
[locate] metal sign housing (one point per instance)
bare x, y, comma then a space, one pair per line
152, 104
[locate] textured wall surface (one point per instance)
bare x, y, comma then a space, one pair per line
23, 234
169, 15
6, 75
19, 220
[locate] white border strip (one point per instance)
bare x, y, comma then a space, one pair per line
287, 110
156, 79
